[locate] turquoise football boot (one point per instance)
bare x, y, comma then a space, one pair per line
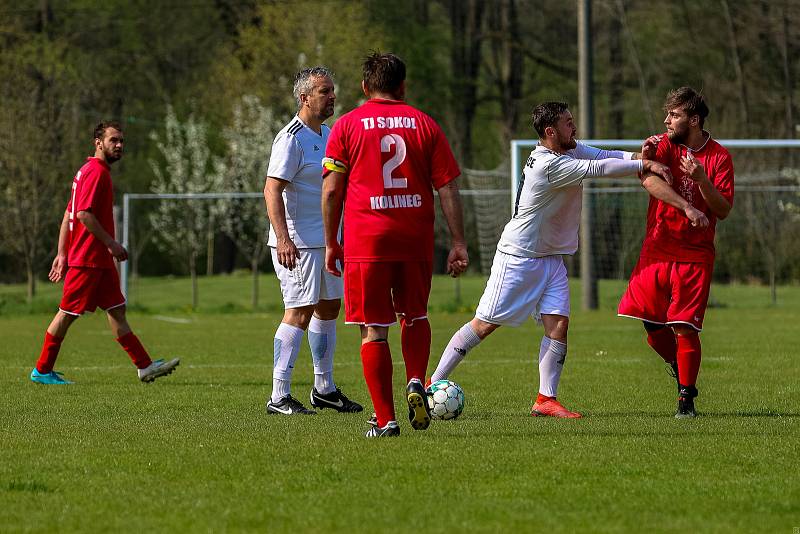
51, 378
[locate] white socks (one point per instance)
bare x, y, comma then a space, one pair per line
464, 340
552, 354
287, 346
322, 340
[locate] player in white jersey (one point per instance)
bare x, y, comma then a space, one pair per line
311, 296
528, 276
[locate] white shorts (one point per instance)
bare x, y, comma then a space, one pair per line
308, 282
519, 288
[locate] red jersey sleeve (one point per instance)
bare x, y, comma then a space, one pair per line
337, 141
444, 167
722, 177
90, 191
663, 150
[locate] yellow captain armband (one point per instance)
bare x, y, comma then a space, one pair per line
332, 165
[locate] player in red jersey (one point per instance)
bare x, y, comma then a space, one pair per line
383, 161
85, 261
669, 287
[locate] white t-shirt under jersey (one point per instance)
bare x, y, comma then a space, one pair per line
297, 153
548, 207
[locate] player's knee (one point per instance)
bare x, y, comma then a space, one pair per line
327, 310
62, 322
370, 334
684, 330
118, 312
556, 327
482, 328
67, 318
559, 333
298, 317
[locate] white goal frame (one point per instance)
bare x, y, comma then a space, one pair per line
126, 218
127, 198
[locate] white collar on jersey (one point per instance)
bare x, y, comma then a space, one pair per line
690, 149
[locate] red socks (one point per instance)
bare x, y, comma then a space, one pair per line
688, 358
415, 338
129, 342
47, 359
377, 362
663, 342
135, 350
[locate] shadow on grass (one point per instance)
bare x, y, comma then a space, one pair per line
769, 414
29, 486
701, 415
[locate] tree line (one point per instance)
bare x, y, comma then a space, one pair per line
477, 66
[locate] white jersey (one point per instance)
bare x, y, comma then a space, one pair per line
548, 207
297, 153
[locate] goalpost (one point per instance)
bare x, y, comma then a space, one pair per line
127, 213
480, 204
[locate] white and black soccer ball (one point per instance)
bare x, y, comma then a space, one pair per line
445, 399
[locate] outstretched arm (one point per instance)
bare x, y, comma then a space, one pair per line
584, 151
450, 200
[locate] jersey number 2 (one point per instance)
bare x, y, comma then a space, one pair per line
399, 155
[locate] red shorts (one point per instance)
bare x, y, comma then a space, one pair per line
668, 292
87, 288
376, 292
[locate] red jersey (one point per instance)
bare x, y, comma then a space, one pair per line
92, 191
670, 236
395, 156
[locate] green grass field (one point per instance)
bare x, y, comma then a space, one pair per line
196, 451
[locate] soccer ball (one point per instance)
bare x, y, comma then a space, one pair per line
445, 399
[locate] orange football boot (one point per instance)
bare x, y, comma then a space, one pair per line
552, 408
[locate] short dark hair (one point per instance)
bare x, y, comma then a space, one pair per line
690, 100
547, 114
100, 129
383, 73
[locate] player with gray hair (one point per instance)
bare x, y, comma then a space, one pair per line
311, 296
304, 81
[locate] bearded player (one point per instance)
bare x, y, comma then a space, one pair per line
85, 261
383, 160
669, 286
528, 276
